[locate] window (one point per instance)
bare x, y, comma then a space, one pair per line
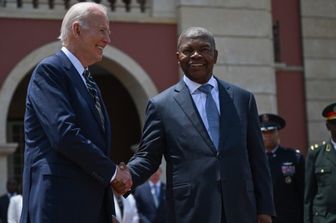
15, 134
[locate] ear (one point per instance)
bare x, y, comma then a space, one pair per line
178, 56
215, 55
76, 29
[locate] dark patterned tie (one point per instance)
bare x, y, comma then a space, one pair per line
91, 86
212, 114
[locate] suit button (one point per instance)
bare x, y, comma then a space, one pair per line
322, 170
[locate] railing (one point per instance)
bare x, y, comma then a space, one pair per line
114, 5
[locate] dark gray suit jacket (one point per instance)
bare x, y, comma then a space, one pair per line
67, 170
200, 178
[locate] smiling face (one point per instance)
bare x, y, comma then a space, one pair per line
196, 56
91, 37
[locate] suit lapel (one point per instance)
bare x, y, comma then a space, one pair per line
184, 99
106, 116
228, 114
107, 125
79, 84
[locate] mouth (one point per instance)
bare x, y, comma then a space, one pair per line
101, 48
196, 65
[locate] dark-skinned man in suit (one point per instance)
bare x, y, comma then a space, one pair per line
208, 132
67, 170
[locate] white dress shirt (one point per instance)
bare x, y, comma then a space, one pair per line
14, 209
74, 60
130, 211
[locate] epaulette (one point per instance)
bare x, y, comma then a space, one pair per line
316, 146
313, 147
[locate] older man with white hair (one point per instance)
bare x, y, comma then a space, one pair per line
67, 171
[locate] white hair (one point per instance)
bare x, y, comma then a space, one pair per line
77, 13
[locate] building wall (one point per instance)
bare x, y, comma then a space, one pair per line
319, 41
152, 45
289, 72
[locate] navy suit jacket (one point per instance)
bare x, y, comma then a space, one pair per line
147, 210
67, 170
287, 169
200, 178
4, 202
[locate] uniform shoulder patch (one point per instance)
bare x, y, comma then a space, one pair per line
314, 147
328, 148
317, 146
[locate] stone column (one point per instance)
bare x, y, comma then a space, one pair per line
319, 49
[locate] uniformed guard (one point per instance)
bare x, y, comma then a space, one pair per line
320, 191
287, 170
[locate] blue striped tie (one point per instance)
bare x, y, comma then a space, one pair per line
91, 86
212, 114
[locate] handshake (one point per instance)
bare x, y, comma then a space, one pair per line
122, 182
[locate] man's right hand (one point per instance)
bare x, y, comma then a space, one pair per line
122, 183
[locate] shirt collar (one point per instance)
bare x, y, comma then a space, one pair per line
74, 60
193, 86
273, 150
333, 143
151, 184
11, 194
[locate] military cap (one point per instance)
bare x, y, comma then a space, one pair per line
269, 122
329, 112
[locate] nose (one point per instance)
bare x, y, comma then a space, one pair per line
106, 38
196, 54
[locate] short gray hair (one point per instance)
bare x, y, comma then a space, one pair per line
197, 32
78, 12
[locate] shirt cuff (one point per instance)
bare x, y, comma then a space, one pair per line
114, 175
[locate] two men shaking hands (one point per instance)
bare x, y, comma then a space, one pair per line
122, 182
